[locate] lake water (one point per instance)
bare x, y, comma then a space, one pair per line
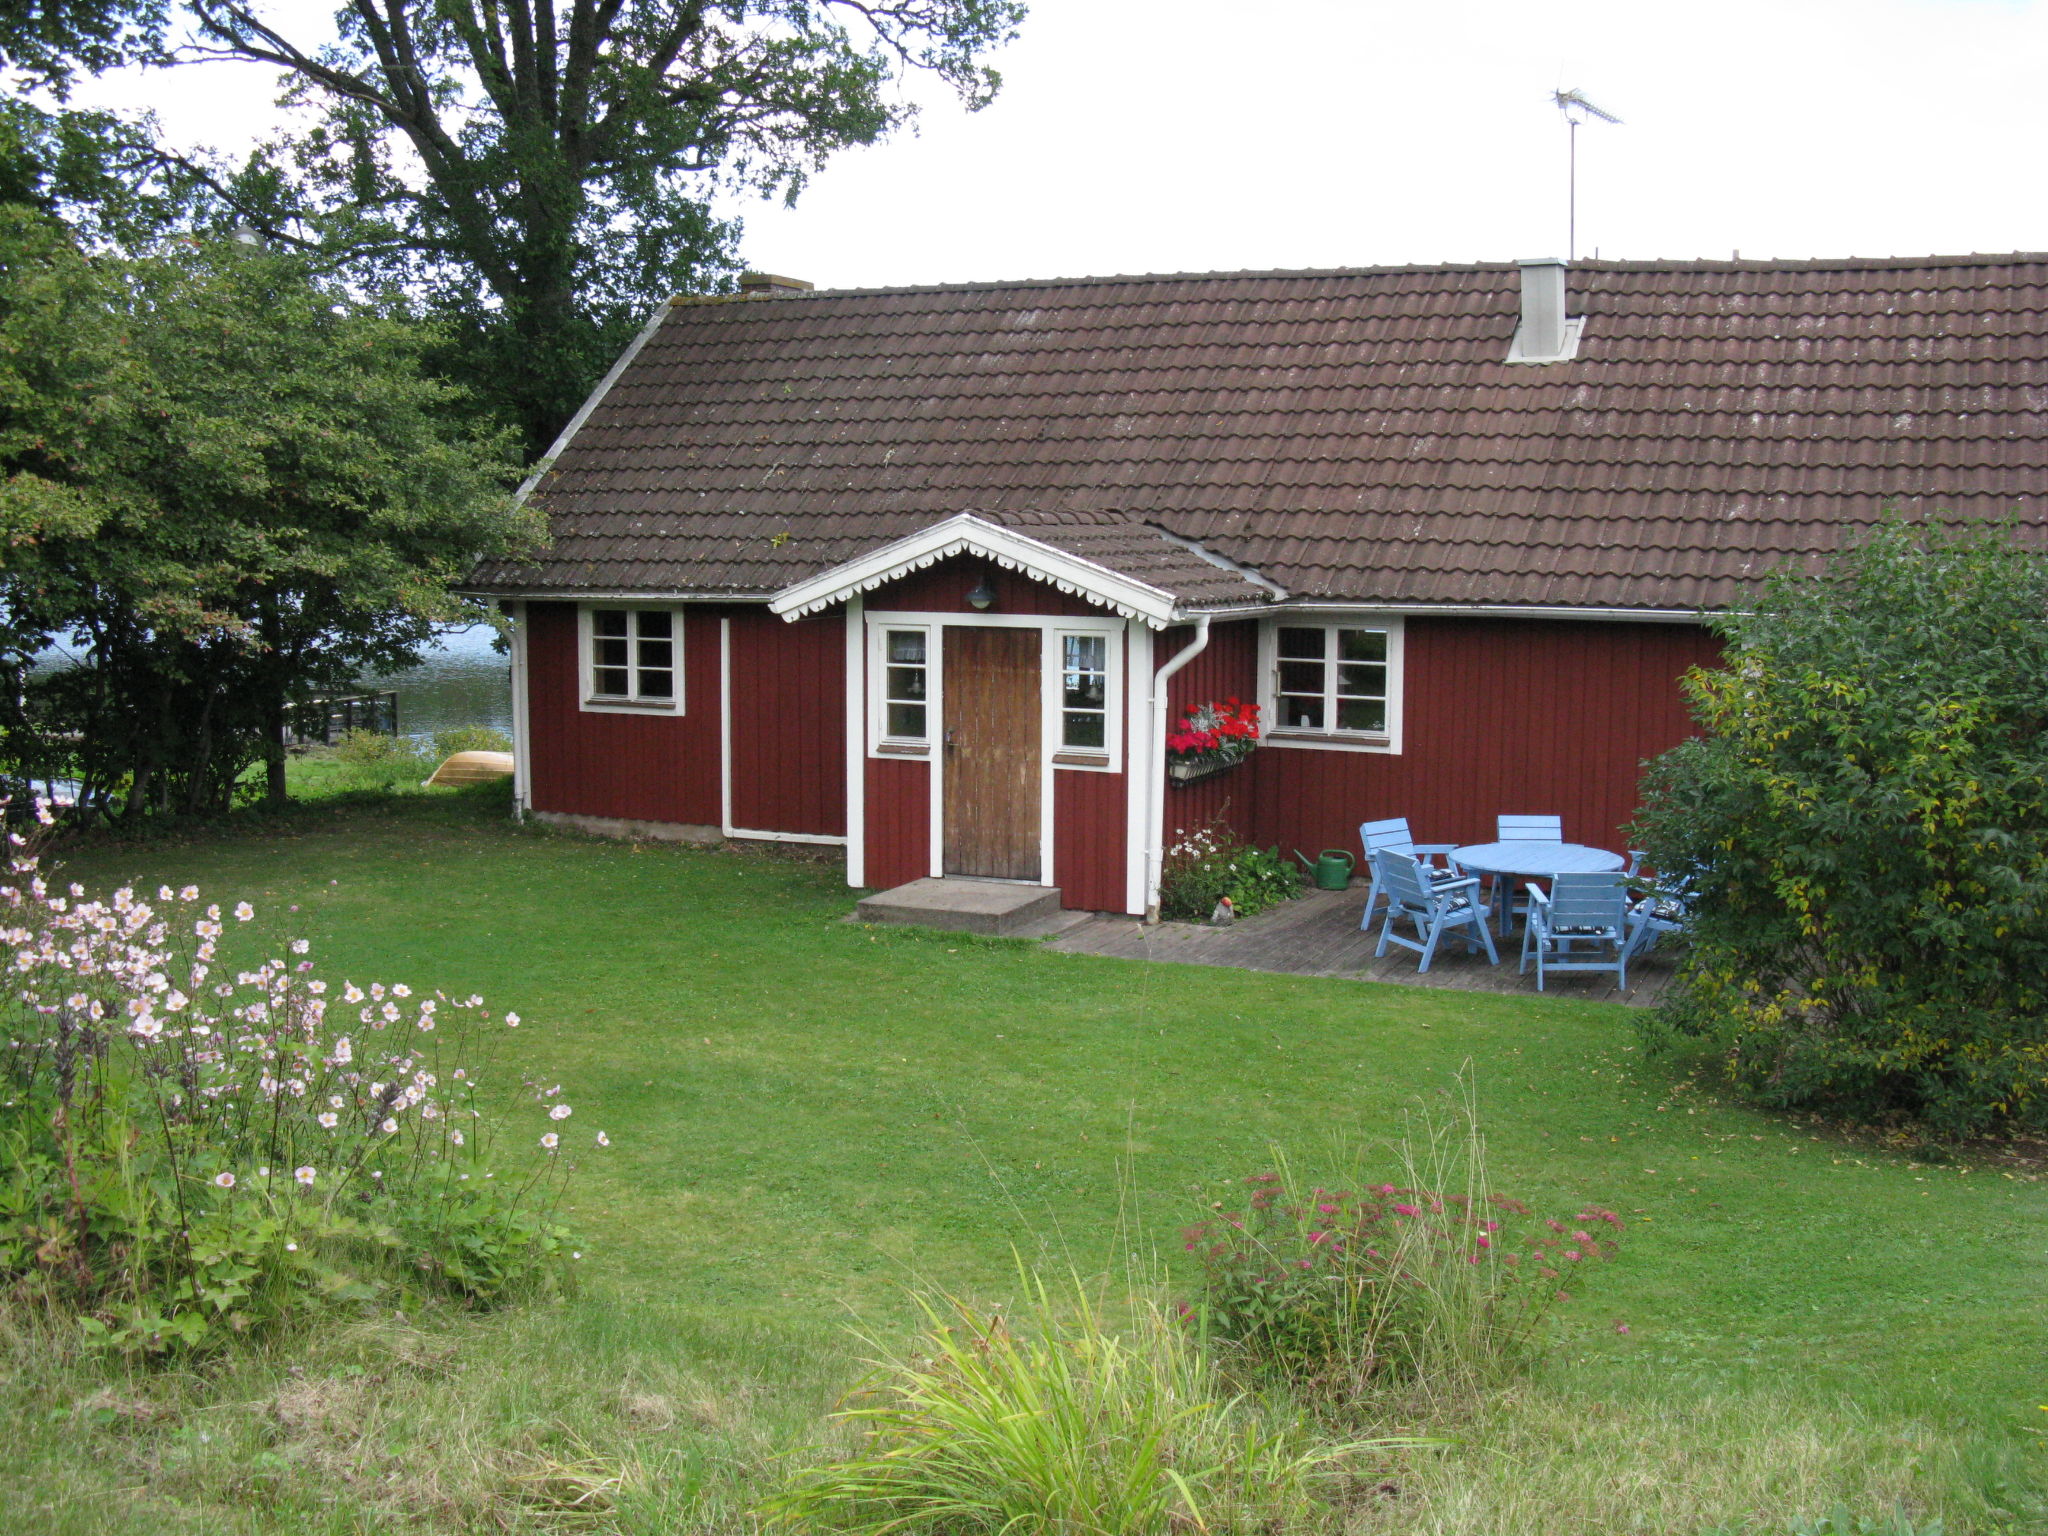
463, 681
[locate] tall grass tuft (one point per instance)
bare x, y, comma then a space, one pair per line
1062, 1427
1430, 1282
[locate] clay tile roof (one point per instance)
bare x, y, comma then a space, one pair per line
1349, 435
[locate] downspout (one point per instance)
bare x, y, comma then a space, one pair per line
1155, 790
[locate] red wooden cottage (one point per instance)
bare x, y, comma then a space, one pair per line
929, 573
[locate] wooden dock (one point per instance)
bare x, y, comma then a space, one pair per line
1318, 935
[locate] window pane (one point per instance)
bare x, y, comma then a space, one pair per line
1301, 642
609, 652
1371, 681
1301, 677
657, 653
1084, 729
1362, 644
657, 685
656, 624
1361, 715
1302, 714
906, 682
611, 681
1087, 653
907, 720
1086, 690
907, 645
608, 621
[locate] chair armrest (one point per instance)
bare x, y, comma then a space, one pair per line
1422, 848
1539, 899
1446, 887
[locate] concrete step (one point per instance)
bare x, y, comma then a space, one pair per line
967, 906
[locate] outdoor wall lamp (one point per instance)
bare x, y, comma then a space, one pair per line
983, 596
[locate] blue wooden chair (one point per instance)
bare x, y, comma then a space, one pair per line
1583, 924
1435, 907
1665, 908
1519, 829
1393, 834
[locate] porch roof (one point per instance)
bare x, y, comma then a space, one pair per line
1139, 571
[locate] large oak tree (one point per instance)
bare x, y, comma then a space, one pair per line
541, 173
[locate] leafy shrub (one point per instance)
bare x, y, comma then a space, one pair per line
1865, 824
190, 1152
1068, 1428
1203, 866
469, 738
374, 758
1434, 1282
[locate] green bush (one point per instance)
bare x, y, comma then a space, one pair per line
196, 1146
1201, 867
374, 758
1067, 1427
1865, 825
469, 738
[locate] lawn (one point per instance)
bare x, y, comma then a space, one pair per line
809, 1117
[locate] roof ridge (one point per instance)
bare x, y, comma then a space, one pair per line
1692, 264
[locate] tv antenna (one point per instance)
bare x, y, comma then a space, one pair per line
1576, 110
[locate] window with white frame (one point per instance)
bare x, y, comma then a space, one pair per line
632, 658
906, 686
1337, 680
1084, 692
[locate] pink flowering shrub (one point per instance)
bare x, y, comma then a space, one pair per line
193, 1147
1345, 1290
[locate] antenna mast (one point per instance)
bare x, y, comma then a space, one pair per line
1576, 110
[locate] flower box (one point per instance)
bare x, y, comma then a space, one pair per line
1211, 739
1183, 771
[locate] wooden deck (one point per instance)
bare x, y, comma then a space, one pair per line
1318, 935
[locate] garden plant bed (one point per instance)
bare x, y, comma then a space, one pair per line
808, 1115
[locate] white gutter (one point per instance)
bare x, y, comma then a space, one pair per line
1155, 781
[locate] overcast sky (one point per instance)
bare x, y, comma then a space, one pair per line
1198, 135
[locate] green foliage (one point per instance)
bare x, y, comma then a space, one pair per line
184, 1161
1434, 1284
1201, 867
543, 178
1067, 1427
469, 738
227, 487
1865, 824
379, 759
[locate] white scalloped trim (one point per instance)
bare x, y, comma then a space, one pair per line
947, 552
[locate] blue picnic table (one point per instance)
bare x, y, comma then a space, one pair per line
1532, 861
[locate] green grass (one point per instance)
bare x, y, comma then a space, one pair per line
809, 1117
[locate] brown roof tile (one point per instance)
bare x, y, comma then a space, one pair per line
1350, 435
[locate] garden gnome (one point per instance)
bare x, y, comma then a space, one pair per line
1224, 914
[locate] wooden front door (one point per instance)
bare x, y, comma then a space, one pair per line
991, 748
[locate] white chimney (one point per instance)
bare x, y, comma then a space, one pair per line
1545, 335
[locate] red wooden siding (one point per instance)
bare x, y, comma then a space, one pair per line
1228, 668
788, 723
1500, 715
899, 826
640, 767
1088, 839
943, 588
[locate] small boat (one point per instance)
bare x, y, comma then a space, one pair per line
473, 768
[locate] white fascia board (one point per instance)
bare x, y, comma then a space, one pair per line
613, 595
597, 395
966, 534
1493, 611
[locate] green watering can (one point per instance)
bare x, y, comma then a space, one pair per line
1332, 869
